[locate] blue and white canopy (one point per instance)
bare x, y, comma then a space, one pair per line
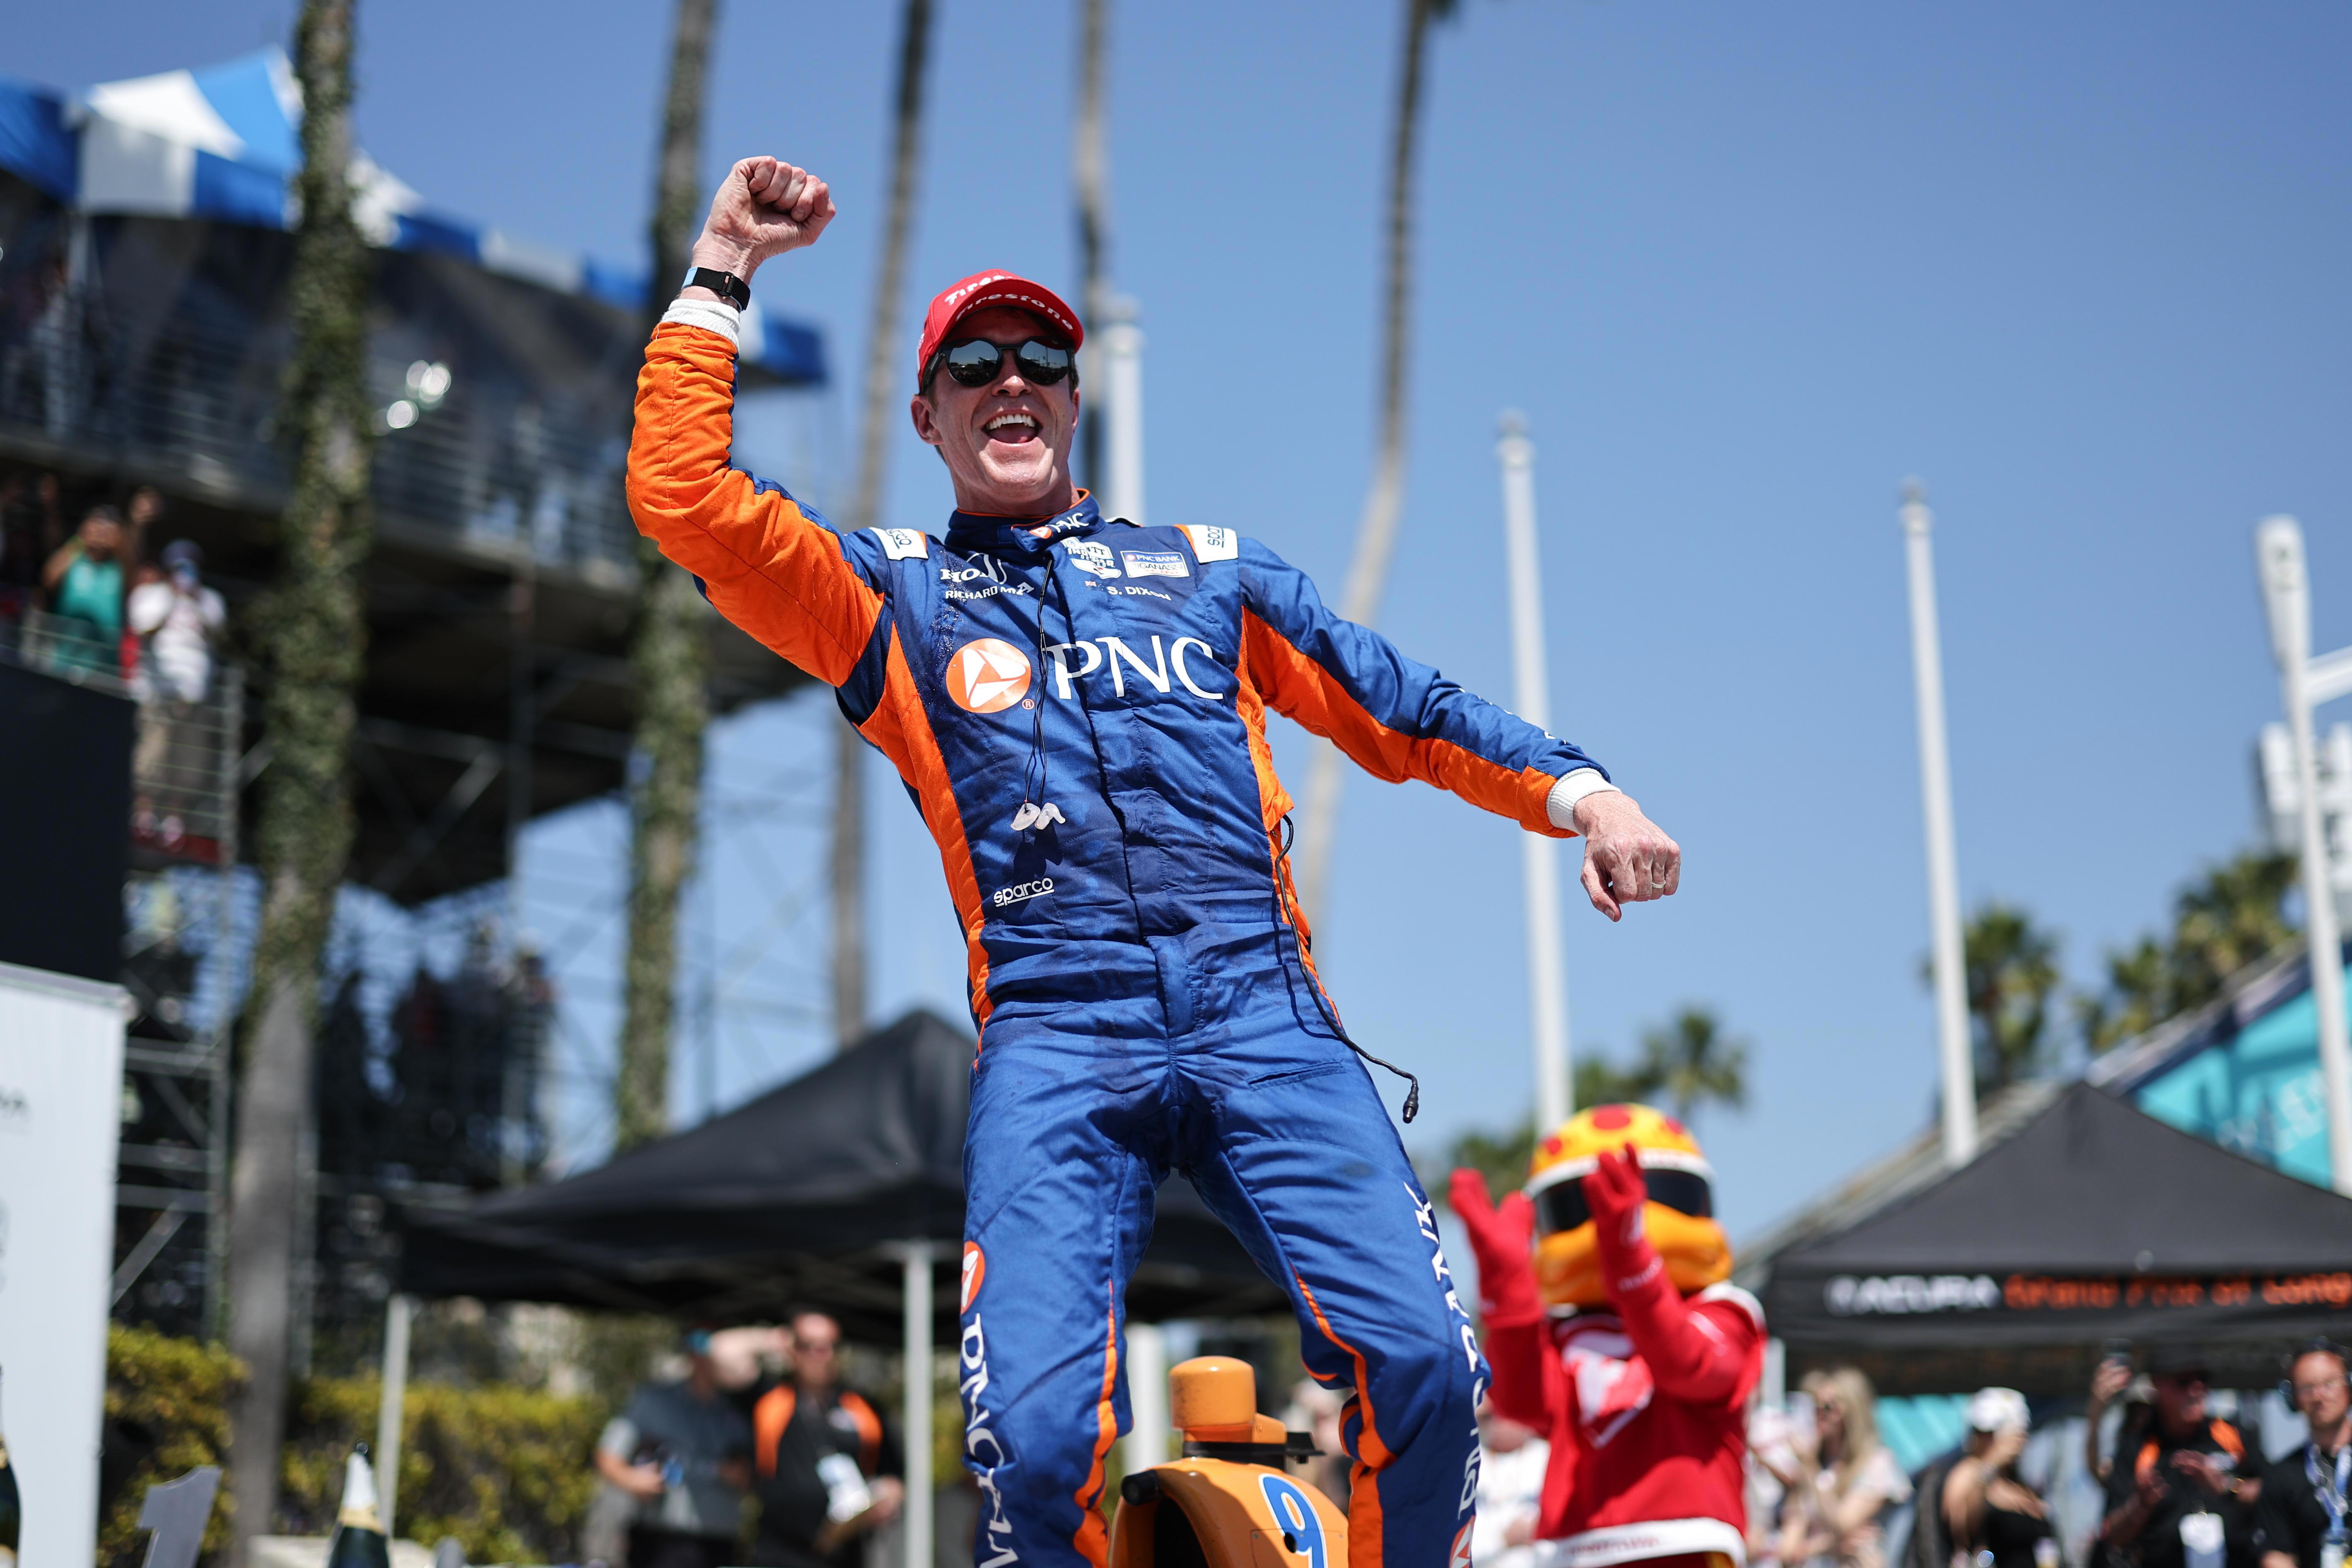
224, 144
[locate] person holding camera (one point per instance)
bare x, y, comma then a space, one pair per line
2178, 1499
682, 1451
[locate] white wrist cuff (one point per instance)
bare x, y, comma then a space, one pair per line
1560, 804
709, 315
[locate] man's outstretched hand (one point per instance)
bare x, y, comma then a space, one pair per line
764, 207
1628, 858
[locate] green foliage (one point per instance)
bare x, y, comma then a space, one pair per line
170, 1398
2231, 916
2010, 969
1690, 1062
1500, 1157
1600, 1081
1687, 1064
616, 1352
504, 1470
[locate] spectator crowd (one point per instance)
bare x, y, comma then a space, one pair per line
760, 1451
2181, 1486
758, 1417
91, 601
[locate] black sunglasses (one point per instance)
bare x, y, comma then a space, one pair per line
976, 361
1562, 1205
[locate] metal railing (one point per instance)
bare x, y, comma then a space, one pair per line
185, 751
492, 463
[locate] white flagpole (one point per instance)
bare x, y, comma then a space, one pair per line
1936, 804
1120, 341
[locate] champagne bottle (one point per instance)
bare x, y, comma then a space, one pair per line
359, 1528
11, 1511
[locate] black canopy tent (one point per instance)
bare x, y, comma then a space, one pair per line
808, 1195
841, 1190
2093, 1221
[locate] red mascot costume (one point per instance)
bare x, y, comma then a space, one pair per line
1611, 1330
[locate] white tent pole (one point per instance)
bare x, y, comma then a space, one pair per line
1547, 975
2287, 595
1935, 803
1146, 1397
1121, 343
397, 1313
915, 1417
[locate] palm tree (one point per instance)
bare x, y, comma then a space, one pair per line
2232, 916
312, 635
1691, 1061
2011, 970
2139, 996
1376, 533
669, 655
865, 511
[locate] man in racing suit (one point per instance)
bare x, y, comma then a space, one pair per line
1077, 707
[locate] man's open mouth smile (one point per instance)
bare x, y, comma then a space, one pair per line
1012, 427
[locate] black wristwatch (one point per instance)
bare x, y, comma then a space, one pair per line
726, 284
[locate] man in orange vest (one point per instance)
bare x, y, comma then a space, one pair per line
824, 1468
2184, 1497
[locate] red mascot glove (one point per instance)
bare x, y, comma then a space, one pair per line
1500, 1239
1689, 1357
1615, 1192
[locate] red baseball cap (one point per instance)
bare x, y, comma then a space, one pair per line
983, 290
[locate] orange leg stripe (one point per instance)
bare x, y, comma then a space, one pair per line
1364, 1480
1092, 1540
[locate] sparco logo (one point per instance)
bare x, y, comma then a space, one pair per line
1020, 890
984, 1450
1903, 1294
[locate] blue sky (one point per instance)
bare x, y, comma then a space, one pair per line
2082, 268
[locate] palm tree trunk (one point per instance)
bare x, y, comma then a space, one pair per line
882, 370
314, 637
1376, 534
670, 656
1090, 170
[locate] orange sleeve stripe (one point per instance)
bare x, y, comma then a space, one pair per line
767, 567
1364, 1480
903, 731
1092, 1540
1304, 689
869, 1430
769, 1419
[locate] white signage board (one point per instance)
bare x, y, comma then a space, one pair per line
60, 1117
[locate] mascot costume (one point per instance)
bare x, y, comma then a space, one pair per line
1611, 1330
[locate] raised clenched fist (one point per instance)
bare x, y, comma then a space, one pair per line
764, 207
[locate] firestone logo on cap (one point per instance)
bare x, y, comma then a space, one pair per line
995, 287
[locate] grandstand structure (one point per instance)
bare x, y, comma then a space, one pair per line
145, 257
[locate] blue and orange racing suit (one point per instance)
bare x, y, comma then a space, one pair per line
1078, 709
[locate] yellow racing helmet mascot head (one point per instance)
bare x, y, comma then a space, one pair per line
1678, 1216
